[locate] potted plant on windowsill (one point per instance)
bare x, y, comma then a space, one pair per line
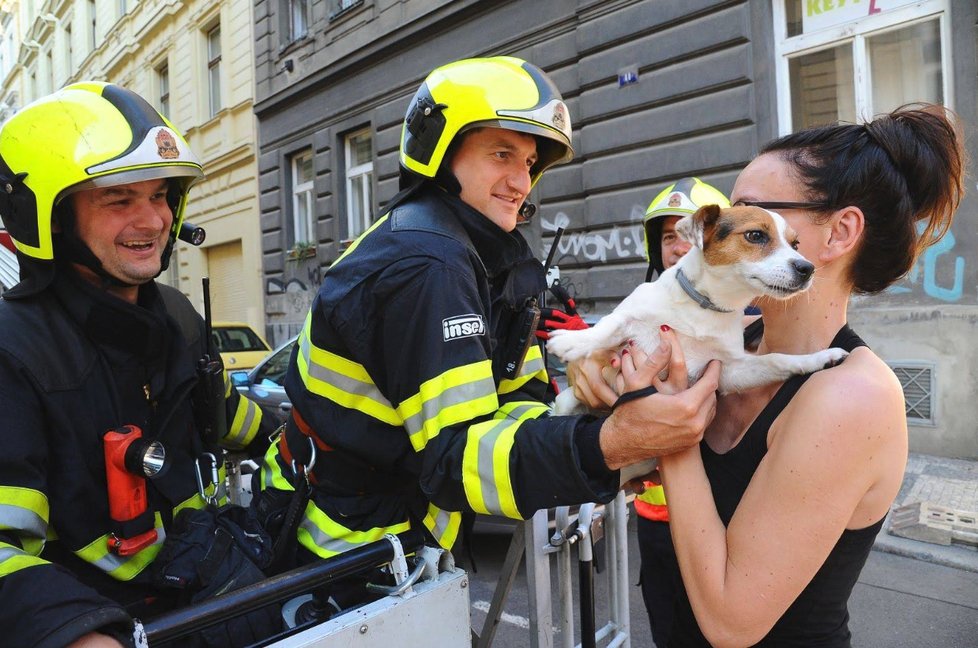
301, 250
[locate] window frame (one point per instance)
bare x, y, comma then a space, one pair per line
306, 190
352, 172
292, 33
162, 71
215, 102
856, 33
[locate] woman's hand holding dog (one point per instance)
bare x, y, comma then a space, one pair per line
663, 423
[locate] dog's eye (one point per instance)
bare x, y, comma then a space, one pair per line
795, 244
756, 236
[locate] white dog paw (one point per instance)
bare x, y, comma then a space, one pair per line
565, 345
831, 357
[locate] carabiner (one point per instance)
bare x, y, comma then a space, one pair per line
215, 479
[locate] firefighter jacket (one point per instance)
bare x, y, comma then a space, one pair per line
76, 362
399, 379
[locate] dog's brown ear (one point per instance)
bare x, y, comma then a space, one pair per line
691, 227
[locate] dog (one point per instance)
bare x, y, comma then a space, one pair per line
737, 255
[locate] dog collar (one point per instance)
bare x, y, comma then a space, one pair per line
697, 296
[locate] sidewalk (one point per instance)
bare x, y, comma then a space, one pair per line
952, 483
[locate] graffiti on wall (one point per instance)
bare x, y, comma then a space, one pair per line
619, 242
939, 272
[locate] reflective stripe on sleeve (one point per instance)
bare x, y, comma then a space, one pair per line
443, 525
485, 463
457, 395
326, 538
122, 568
25, 512
244, 427
13, 559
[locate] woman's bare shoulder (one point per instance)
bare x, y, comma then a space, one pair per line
860, 393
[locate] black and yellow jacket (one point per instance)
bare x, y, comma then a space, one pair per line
76, 362
398, 378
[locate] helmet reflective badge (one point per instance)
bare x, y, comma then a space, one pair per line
499, 92
84, 136
683, 197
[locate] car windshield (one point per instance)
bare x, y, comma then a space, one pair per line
272, 372
237, 338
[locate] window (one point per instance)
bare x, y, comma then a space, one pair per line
68, 56
341, 7
214, 69
298, 18
303, 218
359, 174
122, 8
163, 85
851, 61
93, 26
49, 61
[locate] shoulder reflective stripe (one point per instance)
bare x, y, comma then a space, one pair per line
122, 568
342, 381
485, 468
356, 243
13, 559
443, 525
457, 395
326, 538
245, 425
227, 383
533, 367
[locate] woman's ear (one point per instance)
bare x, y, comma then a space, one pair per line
845, 233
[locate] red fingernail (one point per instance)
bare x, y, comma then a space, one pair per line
631, 343
665, 327
624, 351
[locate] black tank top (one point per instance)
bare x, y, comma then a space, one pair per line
819, 616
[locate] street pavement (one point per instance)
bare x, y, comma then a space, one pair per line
911, 594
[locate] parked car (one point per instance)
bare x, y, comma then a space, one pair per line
240, 346
265, 384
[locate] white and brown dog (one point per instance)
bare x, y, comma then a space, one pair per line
737, 254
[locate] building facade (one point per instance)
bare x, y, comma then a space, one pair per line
193, 60
657, 90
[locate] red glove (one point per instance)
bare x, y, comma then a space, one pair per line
553, 318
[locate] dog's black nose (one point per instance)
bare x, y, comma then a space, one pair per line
803, 268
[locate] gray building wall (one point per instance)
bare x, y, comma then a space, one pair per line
703, 104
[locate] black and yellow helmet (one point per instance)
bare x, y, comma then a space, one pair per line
500, 92
682, 197
86, 135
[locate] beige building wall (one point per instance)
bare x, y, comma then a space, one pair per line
165, 51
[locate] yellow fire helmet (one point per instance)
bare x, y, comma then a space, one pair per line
682, 197
86, 135
501, 92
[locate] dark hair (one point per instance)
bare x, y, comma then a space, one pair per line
900, 169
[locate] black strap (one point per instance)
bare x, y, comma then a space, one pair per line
633, 395
285, 543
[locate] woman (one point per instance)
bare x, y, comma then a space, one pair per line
774, 514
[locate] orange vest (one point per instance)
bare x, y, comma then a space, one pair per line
652, 503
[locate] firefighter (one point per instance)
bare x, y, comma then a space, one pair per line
415, 382
97, 359
660, 579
